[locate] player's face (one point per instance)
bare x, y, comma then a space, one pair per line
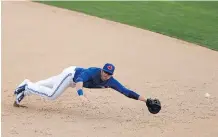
105, 76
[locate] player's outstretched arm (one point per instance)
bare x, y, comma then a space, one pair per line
153, 105
116, 85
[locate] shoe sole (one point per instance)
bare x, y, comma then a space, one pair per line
20, 97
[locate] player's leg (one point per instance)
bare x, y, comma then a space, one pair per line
60, 83
22, 90
47, 82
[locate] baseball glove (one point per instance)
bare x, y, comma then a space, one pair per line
154, 105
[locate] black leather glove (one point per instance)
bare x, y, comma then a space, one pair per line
154, 105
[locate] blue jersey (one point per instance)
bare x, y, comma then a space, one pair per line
91, 78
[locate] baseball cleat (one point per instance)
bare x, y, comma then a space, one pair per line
21, 87
19, 97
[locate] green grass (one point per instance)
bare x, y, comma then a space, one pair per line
195, 22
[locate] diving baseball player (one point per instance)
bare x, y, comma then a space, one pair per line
78, 77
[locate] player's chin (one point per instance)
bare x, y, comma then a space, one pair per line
103, 78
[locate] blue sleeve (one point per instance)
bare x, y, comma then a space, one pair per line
84, 76
114, 84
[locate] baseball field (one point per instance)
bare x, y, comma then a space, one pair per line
178, 65
195, 22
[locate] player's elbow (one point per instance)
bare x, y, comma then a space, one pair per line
79, 80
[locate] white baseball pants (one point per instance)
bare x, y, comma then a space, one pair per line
52, 87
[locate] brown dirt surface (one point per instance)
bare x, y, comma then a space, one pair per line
39, 41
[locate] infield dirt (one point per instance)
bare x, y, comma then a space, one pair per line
39, 41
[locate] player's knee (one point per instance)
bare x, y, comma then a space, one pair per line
52, 97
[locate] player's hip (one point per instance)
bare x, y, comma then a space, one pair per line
71, 69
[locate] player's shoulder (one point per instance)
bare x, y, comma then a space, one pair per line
88, 69
113, 80
94, 69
